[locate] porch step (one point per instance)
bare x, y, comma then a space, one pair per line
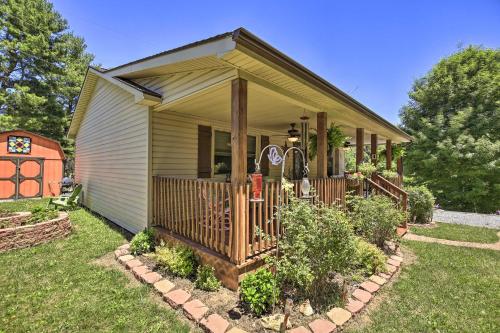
402, 231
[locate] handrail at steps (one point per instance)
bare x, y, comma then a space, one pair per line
389, 184
383, 190
402, 194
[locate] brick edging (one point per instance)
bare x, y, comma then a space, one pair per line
360, 298
193, 309
198, 312
34, 234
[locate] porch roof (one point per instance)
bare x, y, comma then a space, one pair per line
241, 54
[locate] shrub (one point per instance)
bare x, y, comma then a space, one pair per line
367, 169
369, 258
259, 291
316, 242
179, 260
205, 279
389, 174
375, 218
41, 214
142, 242
421, 203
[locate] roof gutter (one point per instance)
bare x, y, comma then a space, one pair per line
251, 42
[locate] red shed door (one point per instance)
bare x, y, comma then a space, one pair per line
21, 178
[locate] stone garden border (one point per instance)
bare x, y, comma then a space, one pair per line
198, 312
34, 234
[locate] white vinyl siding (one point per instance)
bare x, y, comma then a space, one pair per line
112, 157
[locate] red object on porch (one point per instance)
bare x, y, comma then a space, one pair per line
257, 185
31, 165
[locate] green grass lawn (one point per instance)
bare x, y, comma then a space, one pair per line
458, 232
447, 289
55, 287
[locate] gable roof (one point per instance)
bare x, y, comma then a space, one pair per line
142, 95
244, 42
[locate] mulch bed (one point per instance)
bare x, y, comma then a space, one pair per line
226, 304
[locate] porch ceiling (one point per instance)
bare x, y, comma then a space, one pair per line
267, 110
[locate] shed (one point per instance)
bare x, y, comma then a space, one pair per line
31, 165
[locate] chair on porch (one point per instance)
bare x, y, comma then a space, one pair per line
216, 210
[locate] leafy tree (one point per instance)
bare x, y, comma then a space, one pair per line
453, 114
42, 67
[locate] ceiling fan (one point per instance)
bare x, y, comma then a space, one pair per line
293, 134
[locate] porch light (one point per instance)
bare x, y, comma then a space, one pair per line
346, 146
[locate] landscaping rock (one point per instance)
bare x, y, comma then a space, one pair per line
300, 329
362, 295
177, 297
123, 259
397, 258
390, 246
236, 330
133, 263
273, 322
354, 306
151, 277
370, 286
306, 309
378, 280
140, 270
384, 276
119, 253
394, 262
163, 286
391, 269
195, 310
322, 326
216, 324
339, 316
125, 247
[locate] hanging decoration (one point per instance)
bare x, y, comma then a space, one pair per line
19, 145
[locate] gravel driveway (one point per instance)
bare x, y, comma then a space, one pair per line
478, 220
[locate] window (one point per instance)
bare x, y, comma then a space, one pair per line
222, 153
19, 145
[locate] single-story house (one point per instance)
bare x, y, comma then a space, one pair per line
169, 140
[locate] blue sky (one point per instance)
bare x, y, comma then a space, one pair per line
373, 50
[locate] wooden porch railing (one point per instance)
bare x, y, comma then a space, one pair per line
221, 217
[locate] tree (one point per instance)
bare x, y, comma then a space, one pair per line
42, 67
453, 114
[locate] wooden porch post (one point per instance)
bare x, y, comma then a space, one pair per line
336, 162
373, 149
400, 165
388, 154
239, 165
322, 145
360, 141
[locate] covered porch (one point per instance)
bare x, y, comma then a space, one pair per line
201, 190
